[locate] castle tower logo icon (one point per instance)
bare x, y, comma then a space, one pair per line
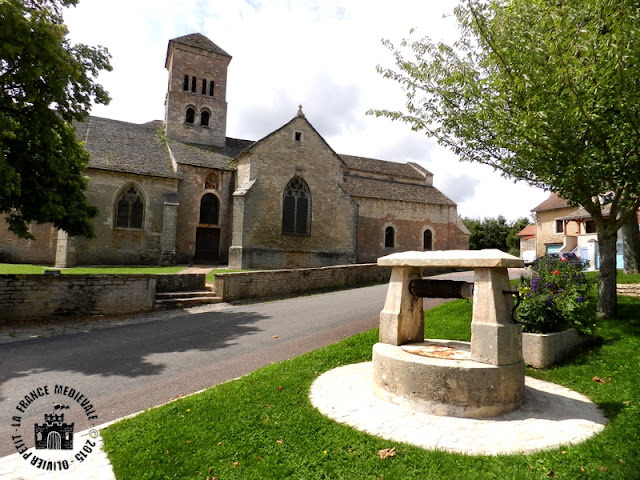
54, 434
53, 428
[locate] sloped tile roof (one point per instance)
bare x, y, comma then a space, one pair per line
581, 214
551, 203
357, 186
382, 166
208, 156
126, 147
197, 40
527, 231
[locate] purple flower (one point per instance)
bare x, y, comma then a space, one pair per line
580, 299
549, 301
548, 285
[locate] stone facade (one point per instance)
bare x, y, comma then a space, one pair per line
181, 191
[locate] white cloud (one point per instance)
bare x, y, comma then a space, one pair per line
318, 53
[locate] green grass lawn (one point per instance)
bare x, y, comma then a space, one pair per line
263, 425
17, 268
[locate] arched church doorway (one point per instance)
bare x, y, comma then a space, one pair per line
208, 231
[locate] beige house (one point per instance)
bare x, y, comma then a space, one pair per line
564, 228
180, 190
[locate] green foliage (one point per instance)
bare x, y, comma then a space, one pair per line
544, 92
556, 297
46, 83
495, 233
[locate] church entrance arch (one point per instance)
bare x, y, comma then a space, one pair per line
208, 231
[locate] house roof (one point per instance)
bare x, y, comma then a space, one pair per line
126, 147
528, 231
551, 203
581, 214
197, 40
382, 166
358, 186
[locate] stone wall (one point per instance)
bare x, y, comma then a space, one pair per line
409, 221
629, 289
38, 296
42, 250
242, 285
264, 172
122, 246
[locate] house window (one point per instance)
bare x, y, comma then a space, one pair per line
130, 209
193, 84
296, 208
209, 209
191, 116
204, 86
389, 237
298, 136
590, 226
211, 86
204, 119
559, 226
185, 85
427, 240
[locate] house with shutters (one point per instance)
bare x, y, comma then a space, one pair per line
180, 191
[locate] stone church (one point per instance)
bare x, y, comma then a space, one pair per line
181, 191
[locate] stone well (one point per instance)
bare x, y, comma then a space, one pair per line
483, 378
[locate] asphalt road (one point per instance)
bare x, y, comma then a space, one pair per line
131, 366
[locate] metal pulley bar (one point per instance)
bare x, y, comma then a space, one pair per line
440, 288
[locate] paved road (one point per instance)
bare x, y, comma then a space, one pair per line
136, 365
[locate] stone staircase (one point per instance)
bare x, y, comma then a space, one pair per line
187, 298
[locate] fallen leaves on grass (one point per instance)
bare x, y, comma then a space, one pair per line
280, 441
600, 380
551, 474
387, 452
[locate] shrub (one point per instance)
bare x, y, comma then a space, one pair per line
555, 297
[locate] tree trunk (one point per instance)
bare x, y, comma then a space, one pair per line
631, 245
607, 296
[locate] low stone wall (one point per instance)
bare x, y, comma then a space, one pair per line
269, 283
542, 350
38, 296
630, 289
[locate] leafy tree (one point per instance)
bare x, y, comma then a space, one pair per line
46, 83
495, 233
545, 92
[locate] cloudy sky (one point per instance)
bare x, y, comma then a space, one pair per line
321, 54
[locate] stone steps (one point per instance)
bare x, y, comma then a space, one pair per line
185, 299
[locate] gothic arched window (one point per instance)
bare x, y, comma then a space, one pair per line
389, 237
296, 208
185, 85
193, 84
427, 241
209, 209
191, 116
204, 86
211, 87
130, 208
204, 119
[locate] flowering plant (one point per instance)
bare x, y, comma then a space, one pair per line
554, 297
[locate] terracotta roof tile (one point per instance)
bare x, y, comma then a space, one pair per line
553, 202
527, 231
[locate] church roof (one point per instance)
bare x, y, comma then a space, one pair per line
208, 156
126, 147
357, 186
197, 40
383, 166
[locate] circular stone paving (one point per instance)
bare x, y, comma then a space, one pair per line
550, 417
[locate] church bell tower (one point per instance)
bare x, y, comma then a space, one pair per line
196, 102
